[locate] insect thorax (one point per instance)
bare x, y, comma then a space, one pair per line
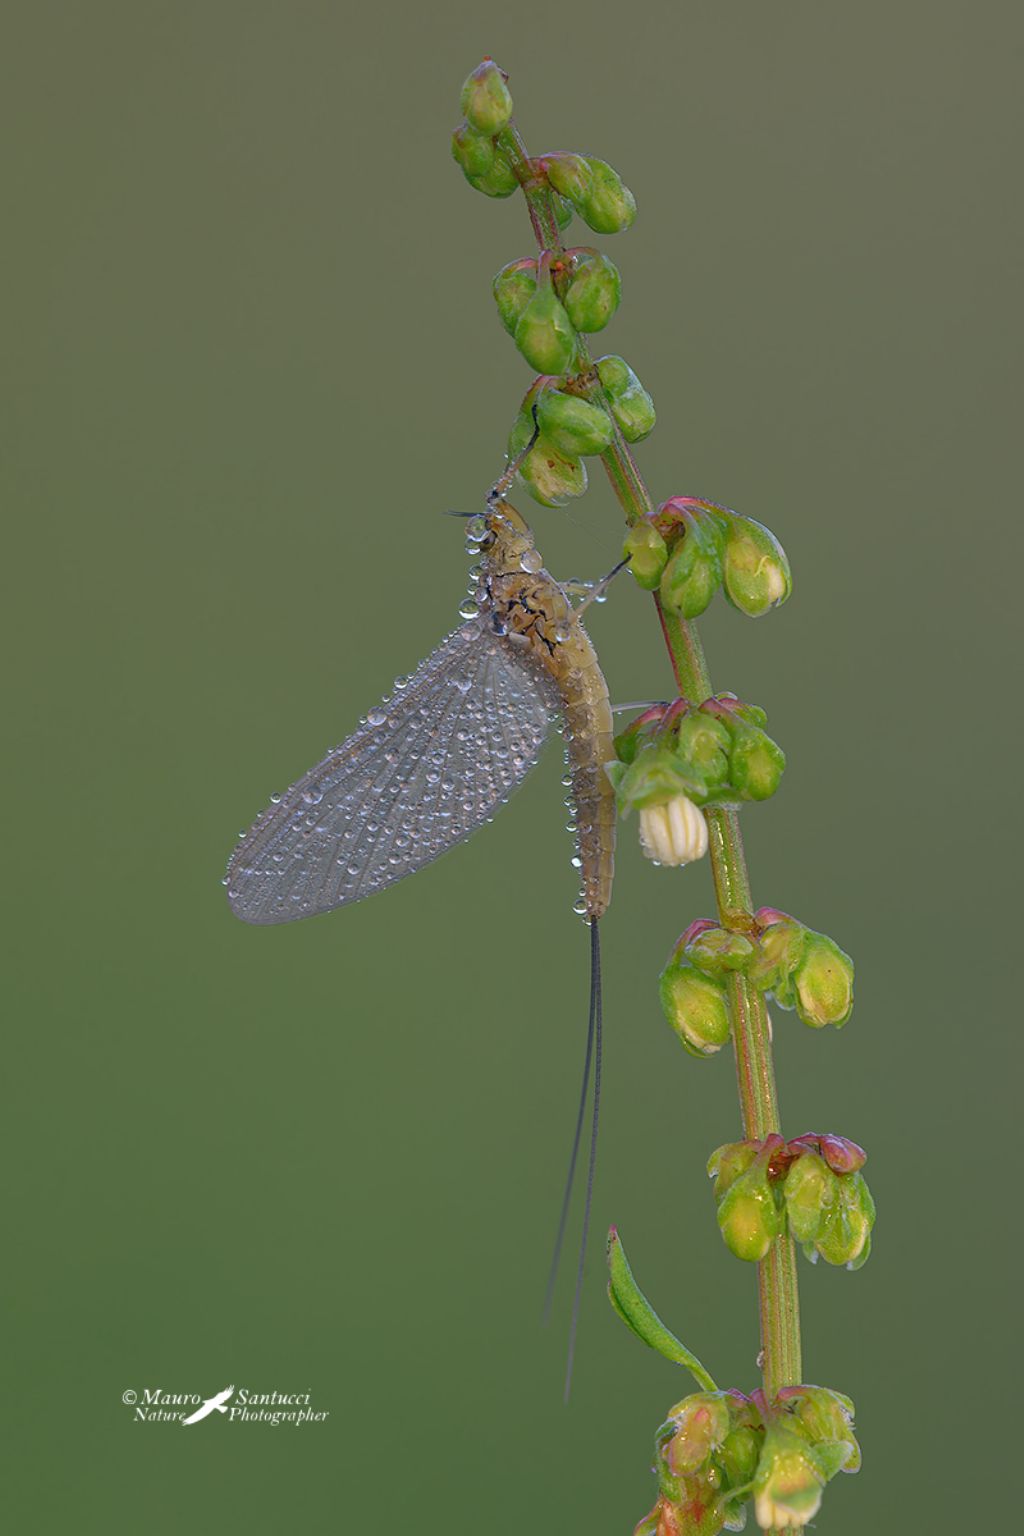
530, 609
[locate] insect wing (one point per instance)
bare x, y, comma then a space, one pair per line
424, 771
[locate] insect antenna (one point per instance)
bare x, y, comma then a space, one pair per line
593, 1056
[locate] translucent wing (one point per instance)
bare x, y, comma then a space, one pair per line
426, 769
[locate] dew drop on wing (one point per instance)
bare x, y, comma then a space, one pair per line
418, 778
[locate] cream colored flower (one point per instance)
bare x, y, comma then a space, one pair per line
675, 833
791, 1495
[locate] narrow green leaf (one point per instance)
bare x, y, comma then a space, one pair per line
637, 1313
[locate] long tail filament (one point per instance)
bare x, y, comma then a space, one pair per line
593, 1056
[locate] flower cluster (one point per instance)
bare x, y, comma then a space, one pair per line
689, 548
676, 758
813, 1184
801, 969
487, 111
789, 962
557, 414
567, 427
717, 1449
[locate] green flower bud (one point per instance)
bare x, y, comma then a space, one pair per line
696, 1008
808, 1188
499, 181
788, 1482
647, 552
544, 333
473, 151
844, 1234
780, 949
594, 290
608, 206
568, 174
694, 570
703, 744
756, 573
486, 102
635, 414
630, 403
756, 763
616, 375
804, 970
830, 1214
739, 1455
572, 424
727, 1163
715, 951
749, 1217
825, 1419
551, 477
513, 289
824, 982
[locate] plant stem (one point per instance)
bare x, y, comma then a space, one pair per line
777, 1279
751, 1032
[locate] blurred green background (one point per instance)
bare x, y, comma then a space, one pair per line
250, 355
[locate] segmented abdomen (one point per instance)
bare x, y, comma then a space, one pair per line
588, 737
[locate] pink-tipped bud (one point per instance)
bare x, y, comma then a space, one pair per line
486, 100
842, 1156
702, 1423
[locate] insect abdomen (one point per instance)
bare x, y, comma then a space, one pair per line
588, 735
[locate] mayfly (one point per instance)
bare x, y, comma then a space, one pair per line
433, 762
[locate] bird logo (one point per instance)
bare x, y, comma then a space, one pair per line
212, 1405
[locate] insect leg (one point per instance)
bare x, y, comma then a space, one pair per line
500, 487
594, 591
